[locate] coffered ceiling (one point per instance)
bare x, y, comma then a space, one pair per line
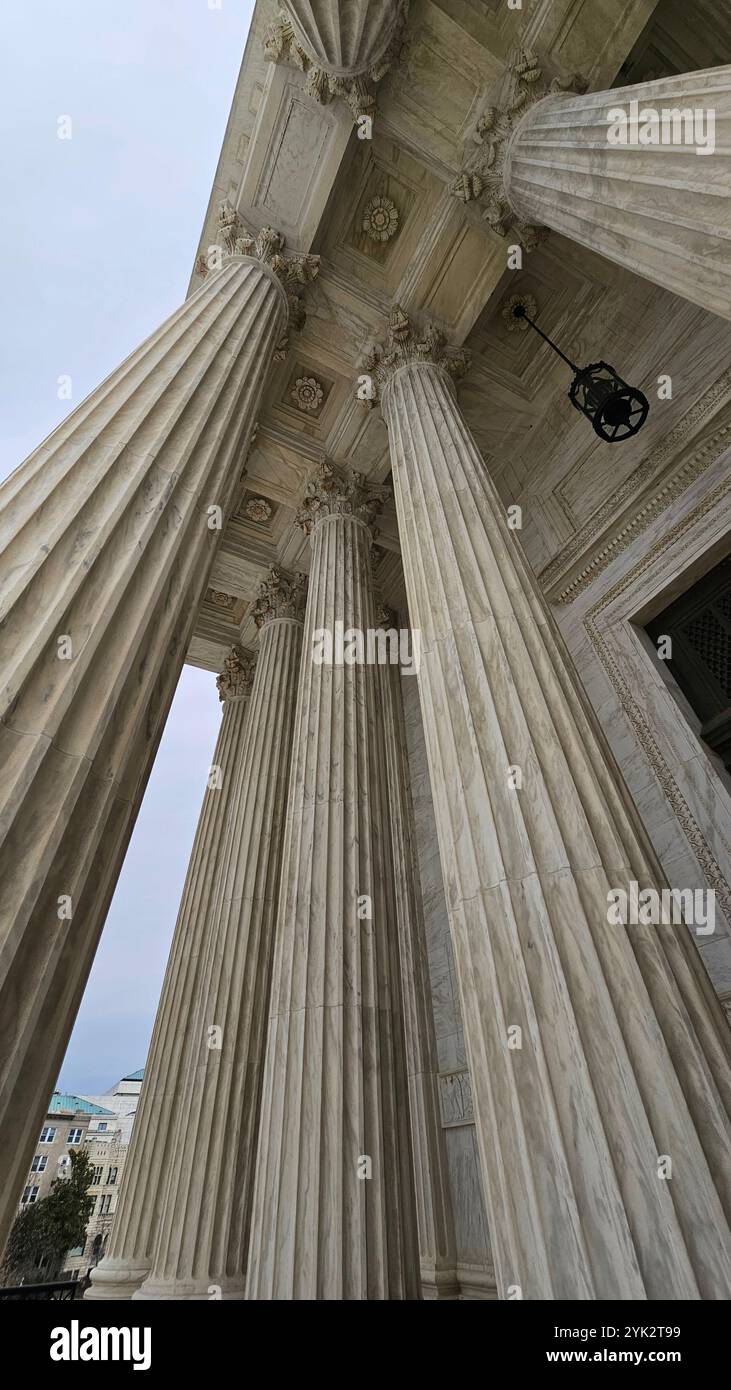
380, 215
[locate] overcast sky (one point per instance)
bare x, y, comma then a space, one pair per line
98, 236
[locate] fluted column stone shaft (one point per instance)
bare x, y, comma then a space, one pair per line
165, 1095
107, 535
661, 210
343, 50
623, 1055
203, 1222
333, 1206
435, 1220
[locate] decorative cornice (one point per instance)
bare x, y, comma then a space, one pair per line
281, 595
237, 677
484, 174
701, 456
405, 345
283, 44
331, 491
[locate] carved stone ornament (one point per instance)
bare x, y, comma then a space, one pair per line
407, 344
282, 45
257, 509
281, 595
293, 269
385, 616
483, 175
333, 491
237, 677
525, 301
219, 599
380, 218
307, 393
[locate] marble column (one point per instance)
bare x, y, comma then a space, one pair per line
598, 1053
584, 165
343, 50
435, 1220
165, 1094
107, 536
333, 1203
204, 1210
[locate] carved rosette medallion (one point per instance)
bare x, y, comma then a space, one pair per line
307, 393
257, 509
483, 177
380, 218
335, 491
218, 598
237, 677
281, 595
407, 344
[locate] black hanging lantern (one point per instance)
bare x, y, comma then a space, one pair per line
616, 410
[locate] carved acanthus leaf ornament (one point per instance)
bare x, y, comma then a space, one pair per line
294, 269
335, 491
237, 677
281, 595
407, 344
282, 45
483, 176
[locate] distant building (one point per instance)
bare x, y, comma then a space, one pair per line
102, 1125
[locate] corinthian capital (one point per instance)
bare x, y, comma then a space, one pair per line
483, 175
281, 595
237, 677
294, 269
343, 50
407, 344
333, 491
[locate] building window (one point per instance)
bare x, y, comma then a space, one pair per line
102, 1126
75, 1136
699, 624
106, 1203
29, 1196
48, 1134
39, 1163
96, 1177
112, 1176
93, 1207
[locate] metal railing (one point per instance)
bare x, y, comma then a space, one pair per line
62, 1291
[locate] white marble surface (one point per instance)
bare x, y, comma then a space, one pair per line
612, 1070
335, 1090
104, 538
659, 210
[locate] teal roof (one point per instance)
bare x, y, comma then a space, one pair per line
135, 1075
63, 1101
